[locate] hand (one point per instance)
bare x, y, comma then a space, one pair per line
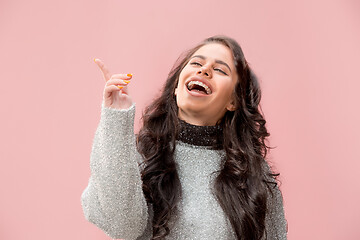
116, 93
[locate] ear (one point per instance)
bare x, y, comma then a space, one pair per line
176, 90
231, 106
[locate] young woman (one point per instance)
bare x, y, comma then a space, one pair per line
197, 168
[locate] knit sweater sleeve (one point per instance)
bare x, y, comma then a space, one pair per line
114, 200
275, 222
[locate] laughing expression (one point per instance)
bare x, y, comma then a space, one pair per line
206, 84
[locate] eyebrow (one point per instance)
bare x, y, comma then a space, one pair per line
216, 60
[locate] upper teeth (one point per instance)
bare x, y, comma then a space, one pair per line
192, 83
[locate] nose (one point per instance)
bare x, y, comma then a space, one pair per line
204, 70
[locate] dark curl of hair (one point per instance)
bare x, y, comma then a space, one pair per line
241, 187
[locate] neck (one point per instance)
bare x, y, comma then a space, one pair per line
196, 119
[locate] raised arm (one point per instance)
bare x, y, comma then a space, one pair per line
114, 200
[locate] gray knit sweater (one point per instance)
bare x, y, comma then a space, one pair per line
114, 200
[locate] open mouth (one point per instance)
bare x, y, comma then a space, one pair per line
199, 87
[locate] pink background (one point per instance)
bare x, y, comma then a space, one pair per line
306, 53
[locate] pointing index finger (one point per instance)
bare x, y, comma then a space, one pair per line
105, 71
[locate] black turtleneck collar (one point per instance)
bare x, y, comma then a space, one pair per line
201, 135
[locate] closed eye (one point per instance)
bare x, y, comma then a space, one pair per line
215, 69
196, 63
219, 70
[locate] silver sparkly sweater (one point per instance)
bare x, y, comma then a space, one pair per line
114, 200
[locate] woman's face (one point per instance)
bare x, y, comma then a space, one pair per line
206, 84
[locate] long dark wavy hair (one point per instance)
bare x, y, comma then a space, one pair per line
241, 187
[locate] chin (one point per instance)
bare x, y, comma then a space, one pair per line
193, 107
